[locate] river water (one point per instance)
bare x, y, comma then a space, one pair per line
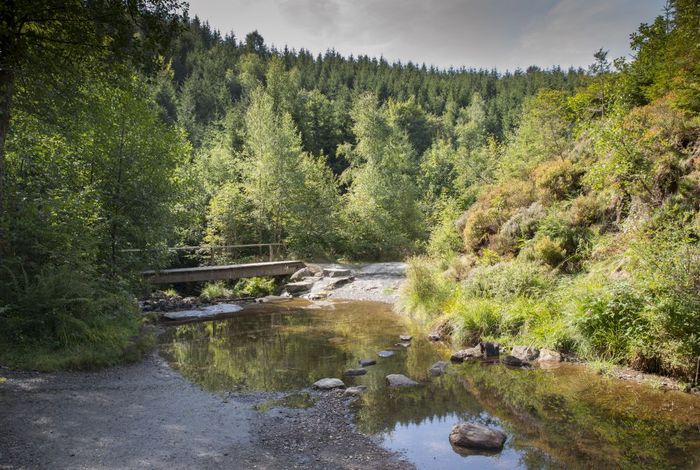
562, 416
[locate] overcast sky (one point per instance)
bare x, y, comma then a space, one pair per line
505, 34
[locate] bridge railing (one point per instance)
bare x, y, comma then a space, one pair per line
213, 255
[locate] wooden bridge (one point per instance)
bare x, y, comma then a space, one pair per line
223, 272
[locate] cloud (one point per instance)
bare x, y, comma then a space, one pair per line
474, 33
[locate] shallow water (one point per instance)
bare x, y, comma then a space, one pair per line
559, 417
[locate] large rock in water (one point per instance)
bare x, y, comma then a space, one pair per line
464, 354
438, 368
547, 355
301, 286
489, 349
525, 353
328, 384
399, 380
476, 436
301, 274
355, 372
513, 361
336, 272
367, 362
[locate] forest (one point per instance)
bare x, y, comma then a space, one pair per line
556, 207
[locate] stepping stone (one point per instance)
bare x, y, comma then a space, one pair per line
367, 362
354, 372
328, 384
354, 391
438, 368
405, 337
385, 353
399, 380
476, 436
336, 272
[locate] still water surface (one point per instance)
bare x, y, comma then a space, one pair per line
558, 417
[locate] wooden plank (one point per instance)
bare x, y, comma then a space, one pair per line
223, 273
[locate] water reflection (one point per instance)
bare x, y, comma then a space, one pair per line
560, 418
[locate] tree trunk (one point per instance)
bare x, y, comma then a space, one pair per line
7, 82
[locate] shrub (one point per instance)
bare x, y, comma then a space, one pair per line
494, 207
548, 251
216, 290
255, 287
473, 319
587, 209
557, 180
507, 280
425, 290
65, 317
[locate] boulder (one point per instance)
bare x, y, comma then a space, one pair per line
301, 274
315, 269
438, 368
405, 337
339, 282
512, 361
525, 353
355, 372
466, 354
301, 286
489, 349
328, 384
367, 362
336, 272
399, 380
548, 355
385, 353
476, 436
402, 345
354, 391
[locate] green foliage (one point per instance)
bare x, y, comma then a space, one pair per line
474, 319
425, 290
215, 291
255, 287
506, 280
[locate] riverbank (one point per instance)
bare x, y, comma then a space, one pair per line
148, 415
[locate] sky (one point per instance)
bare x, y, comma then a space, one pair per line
505, 34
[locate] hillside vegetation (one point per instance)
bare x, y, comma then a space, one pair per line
584, 235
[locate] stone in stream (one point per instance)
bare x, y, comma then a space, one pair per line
477, 436
367, 362
385, 353
525, 353
339, 282
402, 345
354, 372
405, 337
336, 272
354, 391
438, 368
513, 361
547, 355
399, 380
465, 354
301, 286
434, 337
489, 349
328, 384
301, 274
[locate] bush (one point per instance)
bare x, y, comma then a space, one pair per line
425, 290
473, 319
65, 317
507, 280
548, 251
215, 290
587, 209
255, 287
557, 180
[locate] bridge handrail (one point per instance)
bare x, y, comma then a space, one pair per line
200, 247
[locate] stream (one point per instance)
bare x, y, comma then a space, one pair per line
561, 416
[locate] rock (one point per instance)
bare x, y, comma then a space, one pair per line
525, 353
434, 337
489, 349
476, 436
273, 298
367, 362
399, 380
328, 384
465, 354
301, 286
354, 372
315, 269
441, 331
402, 345
340, 281
385, 353
205, 312
405, 337
336, 272
548, 355
301, 274
354, 391
512, 361
438, 368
